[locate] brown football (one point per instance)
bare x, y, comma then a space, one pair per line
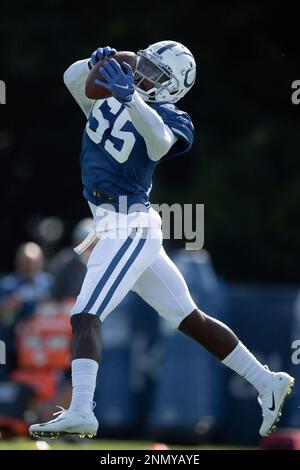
96, 92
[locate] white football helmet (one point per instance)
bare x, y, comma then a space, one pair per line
165, 72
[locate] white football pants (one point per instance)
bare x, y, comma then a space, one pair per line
133, 260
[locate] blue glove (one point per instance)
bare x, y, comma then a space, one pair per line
118, 81
100, 53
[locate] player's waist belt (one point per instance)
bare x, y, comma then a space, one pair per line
92, 236
103, 196
122, 203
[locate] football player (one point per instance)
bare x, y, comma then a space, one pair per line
124, 139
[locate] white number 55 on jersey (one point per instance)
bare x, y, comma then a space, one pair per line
115, 124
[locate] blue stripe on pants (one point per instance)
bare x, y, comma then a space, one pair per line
110, 269
123, 271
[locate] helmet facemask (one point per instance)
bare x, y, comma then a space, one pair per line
154, 81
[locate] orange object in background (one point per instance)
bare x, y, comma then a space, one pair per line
43, 384
43, 346
11, 427
44, 340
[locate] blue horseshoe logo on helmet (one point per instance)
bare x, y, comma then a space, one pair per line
186, 82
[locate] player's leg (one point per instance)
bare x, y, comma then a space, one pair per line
114, 266
106, 284
217, 338
164, 288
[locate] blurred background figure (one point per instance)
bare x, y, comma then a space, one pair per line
20, 291
20, 294
67, 267
28, 284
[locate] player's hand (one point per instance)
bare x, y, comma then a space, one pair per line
101, 53
119, 80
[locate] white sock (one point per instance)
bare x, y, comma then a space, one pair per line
242, 361
84, 374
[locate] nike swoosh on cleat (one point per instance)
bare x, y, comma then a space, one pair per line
272, 408
45, 424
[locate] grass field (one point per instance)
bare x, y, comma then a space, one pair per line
59, 444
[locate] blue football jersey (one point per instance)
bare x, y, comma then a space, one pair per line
114, 158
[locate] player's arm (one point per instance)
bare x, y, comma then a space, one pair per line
159, 138
75, 77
